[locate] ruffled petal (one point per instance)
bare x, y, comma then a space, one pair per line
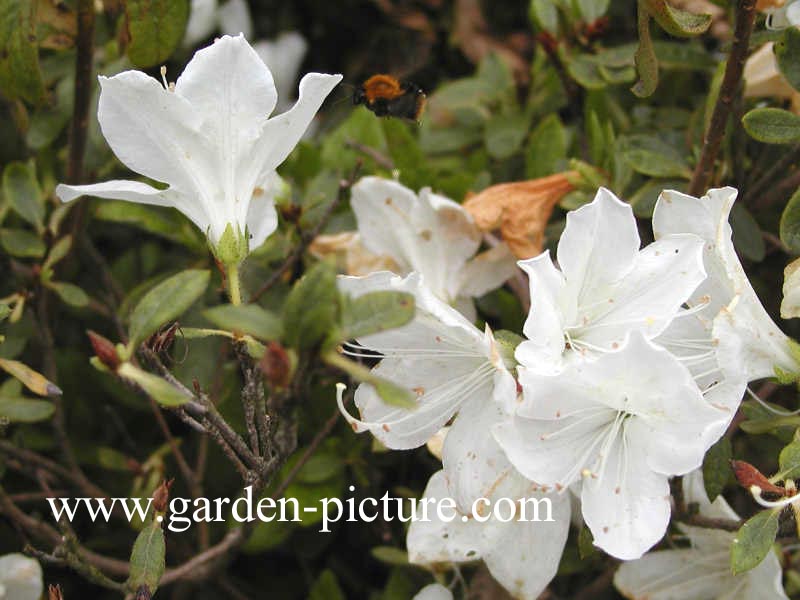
20, 577
434, 591
262, 218
626, 505
487, 271
598, 246
283, 56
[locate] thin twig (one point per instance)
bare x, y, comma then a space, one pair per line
84, 46
307, 454
307, 238
745, 15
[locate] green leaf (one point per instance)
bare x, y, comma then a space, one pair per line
591, 10
326, 587
644, 199
716, 467
375, 312
148, 558
787, 54
789, 461
21, 189
310, 311
586, 547
504, 133
156, 28
547, 148
747, 234
678, 22
246, 318
165, 302
69, 293
22, 243
389, 555
544, 14
390, 392
164, 222
157, 388
648, 155
645, 57
59, 250
20, 76
754, 540
772, 125
25, 410
583, 68
790, 223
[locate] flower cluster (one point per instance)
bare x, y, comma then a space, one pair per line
634, 362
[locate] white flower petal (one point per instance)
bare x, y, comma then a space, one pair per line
487, 271
234, 18
262, 218
135, 191
281, 134
525, 556
687, 574
663, 276
598, 246
20, 577
474, 464
436, 541
544, 326
155, 132
627, 506
434, 591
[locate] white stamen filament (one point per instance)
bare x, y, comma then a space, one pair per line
772, 409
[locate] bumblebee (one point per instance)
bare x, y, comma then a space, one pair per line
387, 97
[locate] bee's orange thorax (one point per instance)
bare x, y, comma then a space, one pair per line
382, 86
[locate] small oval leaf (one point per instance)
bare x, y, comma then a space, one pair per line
772, 125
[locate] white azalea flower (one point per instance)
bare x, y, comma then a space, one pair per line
434, 591
207, 16
763, 78
606, 287
443, 358
623, 424
20, 578
703, 570
748, 343
431, 235
522, 556
784, 16
210, 139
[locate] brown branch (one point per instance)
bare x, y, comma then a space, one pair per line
745, 15
84, 46
710, 523
307, 238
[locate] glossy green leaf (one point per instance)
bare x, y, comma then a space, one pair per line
375, 312
157, 388
547, 148
584, 69
311, 308
787, 53
753, 540
790, 223
245, 318
326, 587
70, 293
25, 410
648, 155
747, 237
20, 75
21, 189
716, 467
789, 461
148, 558
389, 555
22, 243
163, 222
772, 125
544, 15
678, 22
505, 132
645, 57
165, 302
156, 28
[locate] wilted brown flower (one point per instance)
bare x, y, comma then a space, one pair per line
351, 256
520, 210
